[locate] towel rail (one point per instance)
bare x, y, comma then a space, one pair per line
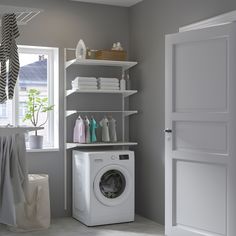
23, 14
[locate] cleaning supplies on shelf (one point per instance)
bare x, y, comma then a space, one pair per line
84, 83
79, 131
123, 83
128, 86
105, 130
87, 130
112, 129
108, 83
80, 52
93, 127
117, 47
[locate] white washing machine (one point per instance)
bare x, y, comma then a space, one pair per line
103, 187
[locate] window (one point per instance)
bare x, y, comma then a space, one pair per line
22, 109
38, 70
3, 110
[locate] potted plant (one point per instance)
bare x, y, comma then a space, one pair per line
35, 107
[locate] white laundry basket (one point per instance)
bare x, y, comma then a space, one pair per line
35, 215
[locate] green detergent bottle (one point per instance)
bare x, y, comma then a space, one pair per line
93, 127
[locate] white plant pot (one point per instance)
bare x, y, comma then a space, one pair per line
36, 142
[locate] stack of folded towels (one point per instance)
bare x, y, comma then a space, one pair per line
108, 84
84, 83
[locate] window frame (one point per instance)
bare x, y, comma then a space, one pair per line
53, 91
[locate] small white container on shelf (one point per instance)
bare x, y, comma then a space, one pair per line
123, 83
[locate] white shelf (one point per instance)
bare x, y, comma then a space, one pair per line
125, 93
126, 113
75, 145
91, 62
121, 65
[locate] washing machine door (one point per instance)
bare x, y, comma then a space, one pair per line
112, 185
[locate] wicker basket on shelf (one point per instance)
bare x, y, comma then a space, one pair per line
113, 55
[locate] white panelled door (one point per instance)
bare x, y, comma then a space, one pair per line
201, 132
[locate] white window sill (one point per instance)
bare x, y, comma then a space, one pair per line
46, 149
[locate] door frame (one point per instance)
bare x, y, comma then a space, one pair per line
222, 19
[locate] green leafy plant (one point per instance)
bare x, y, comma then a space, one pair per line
36, 106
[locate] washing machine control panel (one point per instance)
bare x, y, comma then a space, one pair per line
120, 157
124, 157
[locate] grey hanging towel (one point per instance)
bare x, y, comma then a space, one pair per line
9, 52
13, 176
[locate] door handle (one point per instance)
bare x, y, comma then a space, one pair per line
168, 131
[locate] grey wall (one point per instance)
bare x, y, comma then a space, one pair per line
149, 22
61, 25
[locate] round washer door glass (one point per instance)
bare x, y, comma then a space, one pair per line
112, 184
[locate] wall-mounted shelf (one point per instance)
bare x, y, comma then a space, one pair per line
125, 65
125, 93
122, 110
23, 14
75, 145
125, 113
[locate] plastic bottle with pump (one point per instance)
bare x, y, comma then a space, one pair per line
123, 82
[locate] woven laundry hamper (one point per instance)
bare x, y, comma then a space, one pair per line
35, 214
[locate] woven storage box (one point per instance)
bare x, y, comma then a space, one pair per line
113, 55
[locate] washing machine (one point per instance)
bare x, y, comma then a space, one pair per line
103, 187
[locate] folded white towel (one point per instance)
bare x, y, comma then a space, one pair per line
84, 83
85, 79
89, 86
105, 87
84, 88
109, 88
109, 84
101, 79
